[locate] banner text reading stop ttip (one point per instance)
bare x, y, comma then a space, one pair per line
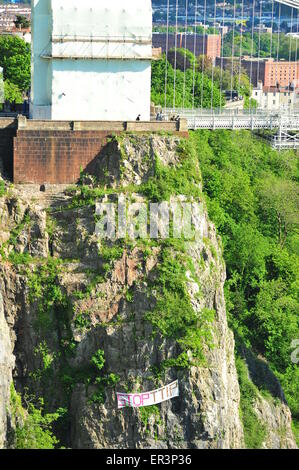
135, 400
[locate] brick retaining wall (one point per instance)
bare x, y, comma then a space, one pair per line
54, 152
7, 133
55, 157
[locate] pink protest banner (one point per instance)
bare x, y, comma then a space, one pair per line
135, 400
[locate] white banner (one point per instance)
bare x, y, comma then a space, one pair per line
135, 400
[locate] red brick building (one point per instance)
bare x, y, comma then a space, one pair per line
282, 73
209, 44
268, 71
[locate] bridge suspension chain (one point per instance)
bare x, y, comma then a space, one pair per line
289, 3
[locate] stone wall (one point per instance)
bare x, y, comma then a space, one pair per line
54, 152
7, 133
55, 157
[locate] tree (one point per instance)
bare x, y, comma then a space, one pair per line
12, 93
281, 197
22, 22
15, 58
205, 92
252, 195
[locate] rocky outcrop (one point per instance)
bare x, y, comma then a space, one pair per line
7, 363
61, 314
276, 417
206, 413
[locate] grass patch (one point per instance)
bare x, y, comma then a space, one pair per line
255, 432
174, 315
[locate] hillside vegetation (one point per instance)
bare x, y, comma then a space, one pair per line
253, 199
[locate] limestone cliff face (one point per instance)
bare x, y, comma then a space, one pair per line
6, 367
55, 317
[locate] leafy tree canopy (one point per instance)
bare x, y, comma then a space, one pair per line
15, 59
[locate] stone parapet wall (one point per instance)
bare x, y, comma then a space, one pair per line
54, 152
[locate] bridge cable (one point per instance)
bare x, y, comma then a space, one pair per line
272, 27
194, 52
296, 42
252, 44
291, 47
296, 51
185, 55
259, 41
222, 53
278, 46
213, 64
241, 43
233, 54
203, 54
175, 52
166, 55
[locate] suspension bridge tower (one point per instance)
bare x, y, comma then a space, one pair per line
91, 60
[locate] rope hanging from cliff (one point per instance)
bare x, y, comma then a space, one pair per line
185, 54
175, 52
166, 57
194, 51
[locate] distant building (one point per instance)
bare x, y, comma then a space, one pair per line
209, 44
255, 68
157, 52
268, 71
223, 30
262, 29
283, 73
272, 98
8, 14
91, 60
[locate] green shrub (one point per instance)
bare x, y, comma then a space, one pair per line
174, 315
2, 188
34, 427
182, 179
45, 291
146, 412
254, 431
252, 197
98, 360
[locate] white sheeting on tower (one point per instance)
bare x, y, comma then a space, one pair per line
91, 60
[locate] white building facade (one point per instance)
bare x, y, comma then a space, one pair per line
91, 59
274, 99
